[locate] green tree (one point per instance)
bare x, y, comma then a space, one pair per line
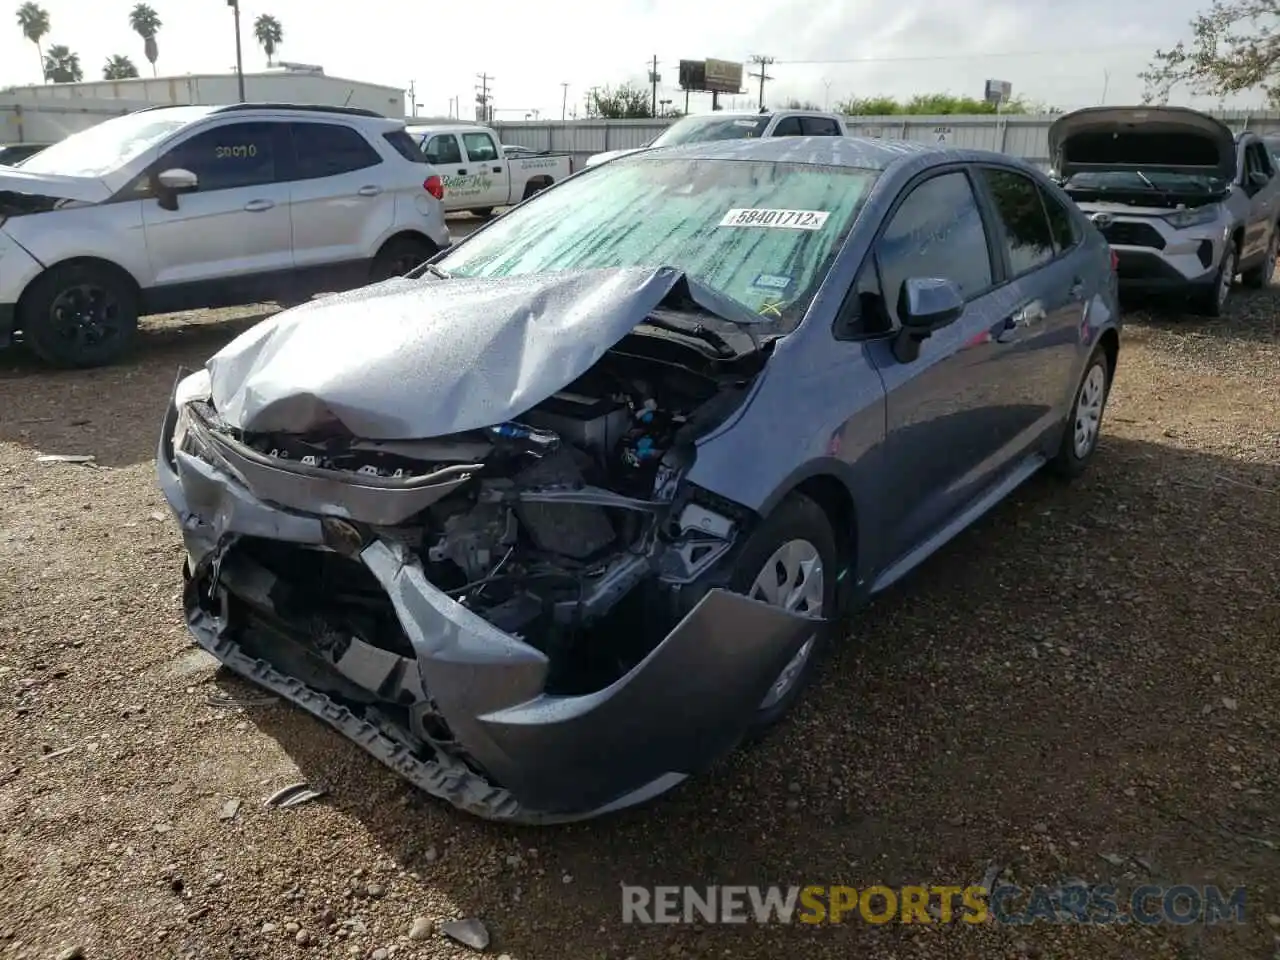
119, 67
624, 103
269, 34
794, 104
146, 23
34, 21
1234, 46
933, 105
61, 65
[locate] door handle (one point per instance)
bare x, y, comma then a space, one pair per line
497, 169
369, 191
462, 173
257, 206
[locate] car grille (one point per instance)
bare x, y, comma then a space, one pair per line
1130, 234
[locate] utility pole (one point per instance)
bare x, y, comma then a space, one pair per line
235, 6
653, 82
483, 96
761, 62
413, 97
564, 101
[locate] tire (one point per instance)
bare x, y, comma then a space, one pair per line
484, 213
1081, 432
80, 315
533, 187
1212, 301
797, 519
399, 255
1259, 277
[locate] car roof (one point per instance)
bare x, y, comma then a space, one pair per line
864, 152
193, 112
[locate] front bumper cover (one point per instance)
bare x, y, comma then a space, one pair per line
521, 755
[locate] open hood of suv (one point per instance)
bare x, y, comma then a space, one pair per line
82, 189
1174, 139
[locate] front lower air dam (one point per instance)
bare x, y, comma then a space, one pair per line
461, 709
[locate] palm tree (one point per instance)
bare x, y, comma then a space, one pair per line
61, 65
146, 23
34, 21
269, 34
119, 67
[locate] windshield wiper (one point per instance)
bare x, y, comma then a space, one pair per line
435, 271
1147, 180
697, 331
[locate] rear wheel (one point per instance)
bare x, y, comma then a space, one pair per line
399, 255
790, 561
80, 315
1260, 276
1080, 438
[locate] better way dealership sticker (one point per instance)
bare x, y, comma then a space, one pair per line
778, 219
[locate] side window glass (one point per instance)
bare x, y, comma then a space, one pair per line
480, 148
327, 149
443, 149
937, 232
1027, 239
788, 127
1061, 224
227, 157
1260, 159
819, 127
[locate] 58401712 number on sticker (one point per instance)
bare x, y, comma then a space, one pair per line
777, 219
239, 151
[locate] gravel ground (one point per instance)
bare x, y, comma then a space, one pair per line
1083, 685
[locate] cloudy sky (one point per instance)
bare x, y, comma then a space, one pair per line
1063, 54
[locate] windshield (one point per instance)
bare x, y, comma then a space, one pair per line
108, 145
761, 233
702, 129
1157, 180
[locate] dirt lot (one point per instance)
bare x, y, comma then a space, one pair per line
1085, 685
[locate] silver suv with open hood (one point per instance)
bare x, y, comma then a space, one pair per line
1186, 205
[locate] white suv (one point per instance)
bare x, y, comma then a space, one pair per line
178, 208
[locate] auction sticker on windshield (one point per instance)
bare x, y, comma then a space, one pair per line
779, 219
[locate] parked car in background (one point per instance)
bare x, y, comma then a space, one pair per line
550, 524
476, 176
12, 154
723, 125
1186, 204
174, 208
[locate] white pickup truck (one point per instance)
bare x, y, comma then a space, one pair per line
477, 174
723, 125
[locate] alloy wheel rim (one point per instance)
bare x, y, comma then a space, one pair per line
85, 314
1228, 275
1093, 393
792, 579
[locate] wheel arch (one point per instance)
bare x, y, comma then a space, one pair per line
824, 482
24, 298
407, 234
536, 183
1109, 341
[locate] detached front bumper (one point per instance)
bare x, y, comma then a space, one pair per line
513, 752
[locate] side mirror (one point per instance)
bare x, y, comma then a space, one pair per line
1259, 179
925, 305
171, 183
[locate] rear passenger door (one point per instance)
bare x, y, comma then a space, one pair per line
1047, 273
947, 416
340, 201
1262, 200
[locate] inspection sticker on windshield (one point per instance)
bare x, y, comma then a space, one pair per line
778, 219
769, 281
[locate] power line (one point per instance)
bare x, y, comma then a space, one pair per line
483, 96
970, 56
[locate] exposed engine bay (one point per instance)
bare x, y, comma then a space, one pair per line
543, 526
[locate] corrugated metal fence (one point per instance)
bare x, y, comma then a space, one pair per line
1022, 136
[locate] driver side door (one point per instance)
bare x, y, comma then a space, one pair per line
950, 412
231, 240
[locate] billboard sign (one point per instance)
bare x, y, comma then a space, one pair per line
997, 92
711, 76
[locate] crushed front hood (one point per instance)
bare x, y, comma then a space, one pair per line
1133, 125
83, 189
414, 359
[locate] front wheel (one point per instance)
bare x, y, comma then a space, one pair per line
1080, 438
790, 561
1212, 301
1259, 277
80, 315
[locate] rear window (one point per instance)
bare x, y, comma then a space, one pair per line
405, 145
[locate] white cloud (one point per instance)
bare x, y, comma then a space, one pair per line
531, 48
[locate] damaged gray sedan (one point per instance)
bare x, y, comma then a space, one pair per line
553, 522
